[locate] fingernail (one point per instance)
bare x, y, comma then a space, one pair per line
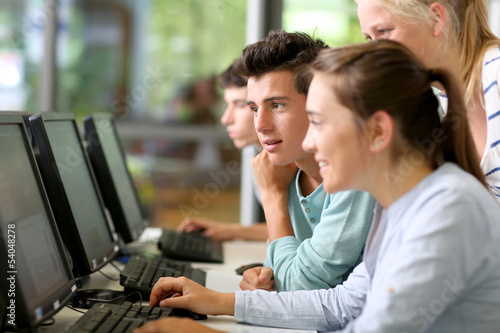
162, 303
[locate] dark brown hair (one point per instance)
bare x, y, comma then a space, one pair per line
385, 75
229, 79
281, 51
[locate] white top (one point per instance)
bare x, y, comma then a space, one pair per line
490, 163
432, 264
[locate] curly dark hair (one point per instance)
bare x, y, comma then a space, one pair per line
281, 51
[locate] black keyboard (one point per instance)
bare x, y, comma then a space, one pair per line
118, 318
191, 246
141, 273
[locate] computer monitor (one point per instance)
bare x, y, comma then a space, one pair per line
73, 193
36, 280
117, 188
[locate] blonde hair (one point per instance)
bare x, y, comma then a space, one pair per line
468, 24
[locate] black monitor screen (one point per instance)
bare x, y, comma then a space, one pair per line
108, 161
72, 191
78, 183
36, 259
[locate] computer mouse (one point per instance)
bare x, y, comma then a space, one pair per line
243, 268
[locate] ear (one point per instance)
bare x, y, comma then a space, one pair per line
440, 15
380, 131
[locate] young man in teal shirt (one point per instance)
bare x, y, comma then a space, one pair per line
315, 238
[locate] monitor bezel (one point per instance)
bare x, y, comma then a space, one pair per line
25, 319
105, 179
83, 264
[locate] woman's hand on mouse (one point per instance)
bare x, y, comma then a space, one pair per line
258, 278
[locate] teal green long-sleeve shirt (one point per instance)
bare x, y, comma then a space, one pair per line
330, 233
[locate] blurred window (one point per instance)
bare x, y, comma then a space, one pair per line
138, 58
21, 39
334, 21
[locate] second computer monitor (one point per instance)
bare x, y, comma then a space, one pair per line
73, 192
109, 163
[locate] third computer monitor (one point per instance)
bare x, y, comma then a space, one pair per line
117, 187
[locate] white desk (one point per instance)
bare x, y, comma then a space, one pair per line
221, 277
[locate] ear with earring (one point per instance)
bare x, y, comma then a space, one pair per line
378, 144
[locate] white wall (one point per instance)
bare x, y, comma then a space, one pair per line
494, 13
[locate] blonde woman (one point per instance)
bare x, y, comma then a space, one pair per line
455, 35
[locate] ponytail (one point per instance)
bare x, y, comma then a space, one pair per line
459, 145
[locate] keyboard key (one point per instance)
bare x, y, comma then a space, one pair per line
166, 312
126, 305
112, 321
90, 325
121, 327
145, 311
135, 323
132, 314
156, 311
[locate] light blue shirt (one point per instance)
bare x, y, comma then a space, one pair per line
432, 264
330, 232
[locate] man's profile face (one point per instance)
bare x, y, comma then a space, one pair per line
280, 118
238, 118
